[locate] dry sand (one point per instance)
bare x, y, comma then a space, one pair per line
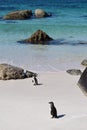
25, 107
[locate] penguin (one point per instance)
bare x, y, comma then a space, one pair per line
53, 111
35, 80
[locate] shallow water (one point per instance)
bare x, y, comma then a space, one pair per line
68, 26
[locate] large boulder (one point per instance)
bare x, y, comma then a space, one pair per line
39, 37
82, 83
74, 72
84, 62
10, 72
39, 13
18, 15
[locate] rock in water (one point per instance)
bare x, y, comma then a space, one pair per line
10, 72
84, 62
74, 72
39, 13
39, 37
82, 83
18, 15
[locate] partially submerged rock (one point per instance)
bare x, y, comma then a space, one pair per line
18, 15
74, 72
39, 37
82, 83
84, 62
39, 13
11, 72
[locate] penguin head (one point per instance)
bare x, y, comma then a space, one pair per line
51, 103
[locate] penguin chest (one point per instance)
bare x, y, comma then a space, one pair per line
53, 111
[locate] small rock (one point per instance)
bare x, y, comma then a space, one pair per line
39, 13
30, 74
74, 72
84, 62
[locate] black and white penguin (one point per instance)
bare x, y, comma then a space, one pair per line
35, 80
53, 111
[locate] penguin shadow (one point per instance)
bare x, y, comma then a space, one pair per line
61, 116
38, 84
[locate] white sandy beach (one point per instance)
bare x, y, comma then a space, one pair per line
25, 107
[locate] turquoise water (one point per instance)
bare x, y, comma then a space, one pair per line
68, 26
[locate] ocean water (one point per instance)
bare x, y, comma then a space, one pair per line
68, 26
